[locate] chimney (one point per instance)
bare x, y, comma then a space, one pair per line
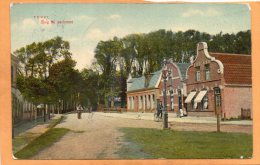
129, 82
147, 79
202, 46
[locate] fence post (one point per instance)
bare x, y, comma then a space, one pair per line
242, 116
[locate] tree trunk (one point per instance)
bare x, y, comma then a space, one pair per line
49, 112
44, 113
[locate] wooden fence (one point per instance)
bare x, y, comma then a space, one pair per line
245, 113
115, 109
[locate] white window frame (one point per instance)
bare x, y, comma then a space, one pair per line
197, 75
207, 72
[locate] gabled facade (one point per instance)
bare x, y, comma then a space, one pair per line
218, 80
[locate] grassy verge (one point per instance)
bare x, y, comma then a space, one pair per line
35, 143
54, 122
20, 141
186, 144
24, 139
41, 142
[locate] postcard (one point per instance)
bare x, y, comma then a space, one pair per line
151, 82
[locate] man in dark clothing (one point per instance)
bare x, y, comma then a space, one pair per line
159, 113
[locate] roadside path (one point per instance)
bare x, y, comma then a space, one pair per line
172, 118
92, 137
28, 131
97, 135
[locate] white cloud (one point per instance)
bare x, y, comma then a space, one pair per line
84, 55
28, 23
210, 12
114, 16
97, 34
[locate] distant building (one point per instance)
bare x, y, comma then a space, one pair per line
143, 92
21, 108
219, 79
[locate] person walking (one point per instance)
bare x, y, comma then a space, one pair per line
79, 111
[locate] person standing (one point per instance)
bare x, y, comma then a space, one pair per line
160, 109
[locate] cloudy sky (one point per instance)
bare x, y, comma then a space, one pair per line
87, 24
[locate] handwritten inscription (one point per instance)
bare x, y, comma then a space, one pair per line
45, 20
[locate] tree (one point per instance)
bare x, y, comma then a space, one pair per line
66, 81
131, 52
90, 87
36, 60
106, 54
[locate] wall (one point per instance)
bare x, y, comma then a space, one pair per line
145, 106
176, 85
236, 98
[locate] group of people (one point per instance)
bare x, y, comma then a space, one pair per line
160, 109
82, 108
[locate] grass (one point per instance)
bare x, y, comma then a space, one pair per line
35, 144
24, 139
54, 122
78, 131
20, 141
41, 142
186, 144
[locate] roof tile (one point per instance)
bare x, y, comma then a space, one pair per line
237, 67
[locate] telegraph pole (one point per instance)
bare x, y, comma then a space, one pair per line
217, 106
171, 90
165, 114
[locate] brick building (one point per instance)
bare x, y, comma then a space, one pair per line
143, 92
218, 79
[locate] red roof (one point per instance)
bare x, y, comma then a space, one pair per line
237, 67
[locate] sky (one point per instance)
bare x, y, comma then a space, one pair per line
84, 25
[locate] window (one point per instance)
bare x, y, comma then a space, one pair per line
195, 105
197, 76
153, 101
207, 72
217, 91
133, 102
205, 102
141, 102
172, 103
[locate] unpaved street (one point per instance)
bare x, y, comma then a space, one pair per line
96, 136
92, 137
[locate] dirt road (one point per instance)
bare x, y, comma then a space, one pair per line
97, 137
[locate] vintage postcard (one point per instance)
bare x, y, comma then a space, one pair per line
131, 81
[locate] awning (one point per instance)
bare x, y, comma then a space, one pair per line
190, 97
200, 96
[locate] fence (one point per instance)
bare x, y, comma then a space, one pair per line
115, 109
245, 113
